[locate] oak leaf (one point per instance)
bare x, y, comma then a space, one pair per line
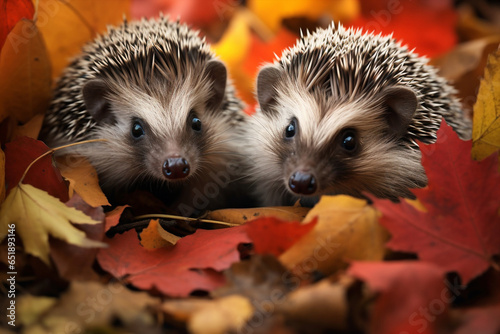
461, 229
486, 125
36, 215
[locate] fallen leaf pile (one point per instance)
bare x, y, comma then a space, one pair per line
72, 264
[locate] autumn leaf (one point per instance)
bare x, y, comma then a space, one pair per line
410, 295
486, 124
343, 224
82, 179
36, 215
67, 25
273, 236
436, 22
241, 216
19, 154
154, 236
174, 271
11, 11
461, 229
273, 12
25, 81
87, 306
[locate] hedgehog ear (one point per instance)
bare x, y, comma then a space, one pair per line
401, 103
94, 95
217, 74
267, 79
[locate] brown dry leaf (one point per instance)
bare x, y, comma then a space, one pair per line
227, 314
82, 179
67, 25
344, 223
90, 305
486, 123
2, 176
241, 216
154, 236
273, 12
470, 26
36, 215
31, 129
322, 305
25, 81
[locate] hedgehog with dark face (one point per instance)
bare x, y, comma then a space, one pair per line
340, 113
156, 93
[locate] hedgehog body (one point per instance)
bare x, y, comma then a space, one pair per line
156, 93
340, 113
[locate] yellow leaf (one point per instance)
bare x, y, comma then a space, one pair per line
154, 236
486, 122
30, 129
25, 81
68, 25
241, 216
2, 176
82, 178
31, 308
227, 314
36, 215
273, 12
347, 229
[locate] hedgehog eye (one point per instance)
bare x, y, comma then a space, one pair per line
349, 141
137, 130
291, 129
196, 124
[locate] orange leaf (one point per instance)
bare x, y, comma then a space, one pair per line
154, 236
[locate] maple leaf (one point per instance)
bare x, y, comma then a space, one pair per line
11, 11
486, 129
36, 215
174, 271
436, 21
25, 81
461, 229
410, 296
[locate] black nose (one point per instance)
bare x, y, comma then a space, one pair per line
175, 168
302, 183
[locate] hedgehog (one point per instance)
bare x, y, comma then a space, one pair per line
341, 112
164, 104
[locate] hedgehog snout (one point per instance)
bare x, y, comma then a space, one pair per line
302, 183
176, 168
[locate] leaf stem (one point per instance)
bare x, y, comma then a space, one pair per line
183, 218
52, 150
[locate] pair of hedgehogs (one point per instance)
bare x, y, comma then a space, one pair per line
339, 112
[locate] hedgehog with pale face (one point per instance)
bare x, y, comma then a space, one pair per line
156, 93
340, 113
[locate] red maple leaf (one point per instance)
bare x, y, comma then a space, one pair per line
412, 296
461, 229
178, 270
42, 175
436, 21
11, 11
